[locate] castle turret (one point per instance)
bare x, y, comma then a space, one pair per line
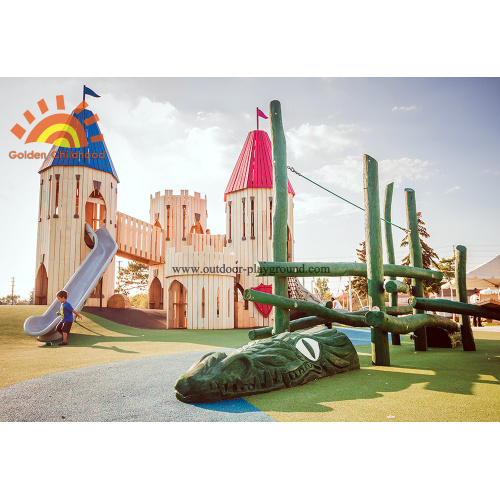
77, 185
196, 282
249, 210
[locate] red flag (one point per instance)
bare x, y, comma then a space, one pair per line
261, 114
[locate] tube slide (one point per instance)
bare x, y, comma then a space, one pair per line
81, 284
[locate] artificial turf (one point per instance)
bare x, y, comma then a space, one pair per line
437, 385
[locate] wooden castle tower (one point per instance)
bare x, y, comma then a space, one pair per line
77, 185
249, 216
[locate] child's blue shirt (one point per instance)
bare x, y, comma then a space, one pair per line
66, 313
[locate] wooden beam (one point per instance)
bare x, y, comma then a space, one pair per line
309, 269
280, 217
374, 259
394, 286
306, 307
297, 324
443, 305
461, 284
414, 323
415, 260
389, 245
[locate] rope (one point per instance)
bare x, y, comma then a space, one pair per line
347, 201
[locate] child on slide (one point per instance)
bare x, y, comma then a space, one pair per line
66, 314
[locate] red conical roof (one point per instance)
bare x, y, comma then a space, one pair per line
254, 168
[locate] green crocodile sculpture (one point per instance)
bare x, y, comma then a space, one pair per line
284, 360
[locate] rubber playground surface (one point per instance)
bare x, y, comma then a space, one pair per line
115, 372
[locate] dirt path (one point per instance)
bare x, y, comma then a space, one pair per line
148, 319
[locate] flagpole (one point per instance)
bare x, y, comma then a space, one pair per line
257, 118
85, 128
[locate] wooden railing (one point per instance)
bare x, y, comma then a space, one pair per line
139, 241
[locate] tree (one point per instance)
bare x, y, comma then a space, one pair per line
31, 300
140, 301
429, 258
134, 276
360, 283
447, 267
322, 289
7, 300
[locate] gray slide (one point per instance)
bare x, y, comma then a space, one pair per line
81, 284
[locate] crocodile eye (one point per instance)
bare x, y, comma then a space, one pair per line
309, 348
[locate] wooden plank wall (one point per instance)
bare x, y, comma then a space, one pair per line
207, 252
247, 251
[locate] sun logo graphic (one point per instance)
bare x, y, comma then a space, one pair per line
61, 129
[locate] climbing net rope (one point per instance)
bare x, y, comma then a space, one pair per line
347, 201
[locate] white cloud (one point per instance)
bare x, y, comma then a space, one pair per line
455, 188
404, 169
321, 207
308, 138
404, 108
347, 173
154, 146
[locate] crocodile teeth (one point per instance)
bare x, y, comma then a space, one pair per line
268, 379
286, 379
213, 386
223, 389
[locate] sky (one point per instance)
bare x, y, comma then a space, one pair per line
438, 136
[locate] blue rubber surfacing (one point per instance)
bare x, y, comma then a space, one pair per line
138, 390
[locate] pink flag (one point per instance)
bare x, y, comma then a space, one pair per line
261, 114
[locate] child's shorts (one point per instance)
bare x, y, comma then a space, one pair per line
64, 326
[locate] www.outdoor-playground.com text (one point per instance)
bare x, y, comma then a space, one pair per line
269, 270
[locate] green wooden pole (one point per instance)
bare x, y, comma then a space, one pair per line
310, 321
389, 245
415, 261
408, 324
393, 311
297, 324
394, 286
444, 305
280, 216
461, 284
300, 269
307, 307
374, 259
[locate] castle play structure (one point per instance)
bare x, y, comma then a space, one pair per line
198, 278
201, 280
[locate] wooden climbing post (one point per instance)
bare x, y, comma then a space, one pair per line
461, 284
389, 245
374, 258
416, 261
280, 216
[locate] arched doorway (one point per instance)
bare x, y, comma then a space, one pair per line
177, 305
41, 286
95, 213
155, 294
196, 228
240, 304
288, 244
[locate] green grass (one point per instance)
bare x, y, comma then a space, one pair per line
437, 385
94, 341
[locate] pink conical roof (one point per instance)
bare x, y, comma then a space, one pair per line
254, 168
